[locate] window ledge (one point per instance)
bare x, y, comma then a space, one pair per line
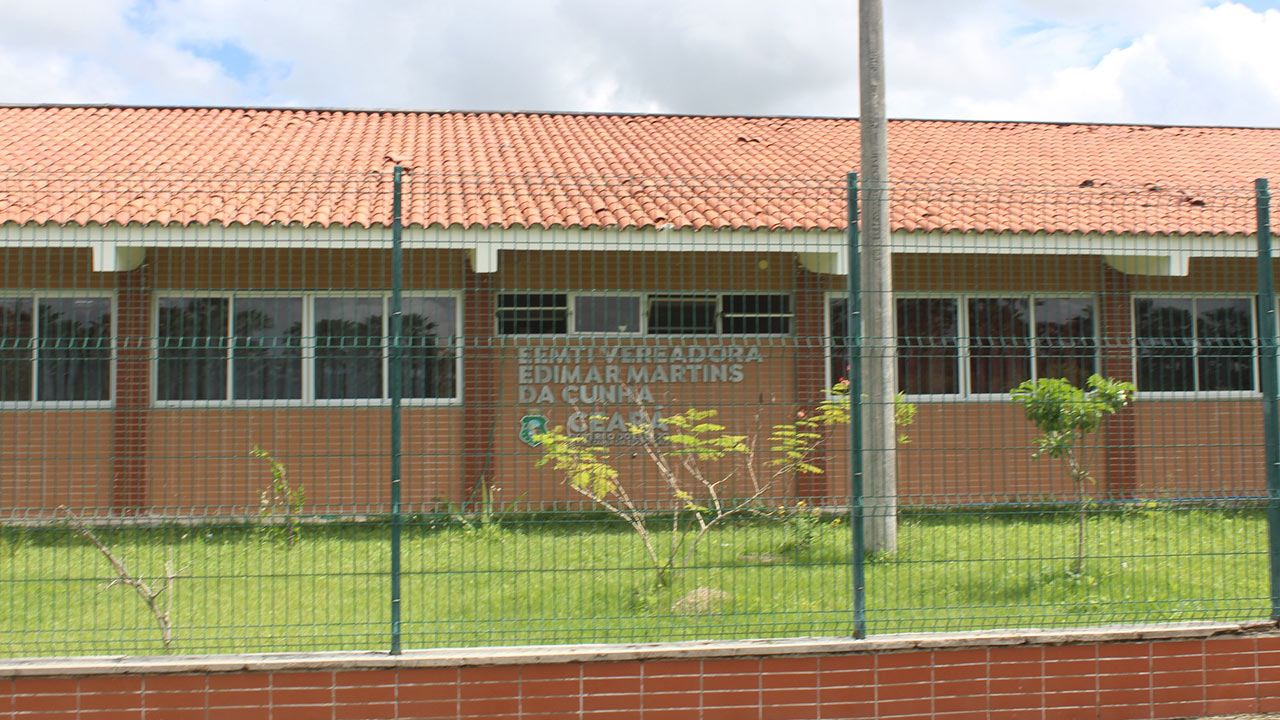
57, 405
1199, 395
299, 404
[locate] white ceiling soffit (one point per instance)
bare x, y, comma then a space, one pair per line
121, 247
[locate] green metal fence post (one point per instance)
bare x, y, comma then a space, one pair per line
394, 388
853, 350
1269, 372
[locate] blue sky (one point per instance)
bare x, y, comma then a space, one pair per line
1210, 62
237, 62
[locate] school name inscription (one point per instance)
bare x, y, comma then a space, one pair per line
595, 380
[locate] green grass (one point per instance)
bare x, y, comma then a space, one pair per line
545, 580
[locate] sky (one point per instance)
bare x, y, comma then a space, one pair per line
1163, 62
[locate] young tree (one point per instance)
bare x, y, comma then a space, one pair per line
695, 458
1065, 415
280, 499
148, 592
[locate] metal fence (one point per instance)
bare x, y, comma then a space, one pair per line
372, 432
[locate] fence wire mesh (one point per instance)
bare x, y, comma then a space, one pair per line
609, 433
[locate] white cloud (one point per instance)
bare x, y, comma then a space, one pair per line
1153, 61
1208, 66
85, 51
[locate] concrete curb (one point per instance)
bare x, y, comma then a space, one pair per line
553, 654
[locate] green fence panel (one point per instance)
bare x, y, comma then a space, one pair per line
387, 432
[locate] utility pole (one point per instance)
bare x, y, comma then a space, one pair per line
876, 267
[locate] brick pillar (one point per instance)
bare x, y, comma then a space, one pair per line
479, 381
1120, 430
811, 371
131, 413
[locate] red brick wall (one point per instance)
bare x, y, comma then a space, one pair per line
482, 356
137, 458
811, 382
338, 455
1119, 433
131, 417
1171, 678
52, 458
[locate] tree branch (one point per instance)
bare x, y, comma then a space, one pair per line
145, 591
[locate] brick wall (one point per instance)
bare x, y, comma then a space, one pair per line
137, 458
1160, 673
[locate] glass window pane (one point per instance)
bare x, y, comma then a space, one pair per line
999, 344
770, 304
533, 314
349, 344
268, 348
757, 325
429, 333
192, 349
756, 314
673, 315
1065, 346
606, 314
837, 327
1165, 336
74, 361
16, 349
928, 346
1224, 331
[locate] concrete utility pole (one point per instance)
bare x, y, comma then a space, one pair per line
879, 334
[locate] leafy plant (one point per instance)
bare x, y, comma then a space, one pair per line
693, 460
1065, 415
280, 500
803, 523
486, 519
798, 443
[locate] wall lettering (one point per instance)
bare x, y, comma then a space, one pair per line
594, 382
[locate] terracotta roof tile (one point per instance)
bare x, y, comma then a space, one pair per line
86, 165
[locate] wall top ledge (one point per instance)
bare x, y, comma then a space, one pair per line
553, 654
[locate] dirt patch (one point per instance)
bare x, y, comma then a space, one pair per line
700, 601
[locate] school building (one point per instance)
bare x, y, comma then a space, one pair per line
181, 285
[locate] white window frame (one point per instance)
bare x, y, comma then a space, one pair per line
35, 402
229, 391
963, 344
1253, 394
645, 297
308, 358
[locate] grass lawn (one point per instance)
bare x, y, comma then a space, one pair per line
544, 580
